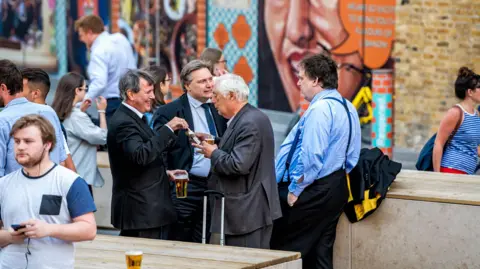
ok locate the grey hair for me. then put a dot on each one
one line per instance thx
(232, 83)
(189, 68)
(131, 81)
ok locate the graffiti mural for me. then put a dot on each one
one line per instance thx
(27, 29)
(292, 29)
(162, 33)
(233, 29)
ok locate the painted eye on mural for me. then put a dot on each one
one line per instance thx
(175, 9)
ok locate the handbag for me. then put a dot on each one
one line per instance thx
(425, 158)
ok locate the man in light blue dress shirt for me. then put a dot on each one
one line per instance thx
(312, 163)
(111, 55)
(17, 106)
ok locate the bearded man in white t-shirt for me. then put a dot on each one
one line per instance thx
(49, 205)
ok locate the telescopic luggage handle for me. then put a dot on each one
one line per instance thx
(222, 216)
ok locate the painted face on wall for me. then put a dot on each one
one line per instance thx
(294, 28)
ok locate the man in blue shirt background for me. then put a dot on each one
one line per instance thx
(17, 106)
(312, 163)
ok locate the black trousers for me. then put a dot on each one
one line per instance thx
(188, 227)
(153, 233)
(259, 238)
(310, 225)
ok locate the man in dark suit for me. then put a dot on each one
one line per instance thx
(195, 107)
(141, 202)
(243, 168)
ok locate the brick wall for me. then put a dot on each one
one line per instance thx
(434, 38)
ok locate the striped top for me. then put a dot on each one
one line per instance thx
(461, 153)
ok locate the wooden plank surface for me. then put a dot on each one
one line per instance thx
(109, 252)
(436, 187)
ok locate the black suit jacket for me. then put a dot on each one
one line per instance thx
(140, 194)
(180, 156)
(243, 169)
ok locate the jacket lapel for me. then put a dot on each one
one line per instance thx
(228, 133)
(135, 117)
(187, 112)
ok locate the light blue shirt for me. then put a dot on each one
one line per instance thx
(111, 55)
(201, 165)
(322, 144)
(16, 109)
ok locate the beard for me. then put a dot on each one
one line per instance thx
(2, 103)
(31, 161)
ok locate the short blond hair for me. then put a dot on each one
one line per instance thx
(46, 128)
(90, 22)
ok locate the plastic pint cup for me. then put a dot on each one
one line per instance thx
(134, 259)
(181, 182)
(210, 140)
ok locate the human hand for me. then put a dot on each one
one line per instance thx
(101, 103)
(17, 237)
(36, 228)
(177, 123)
(203, 136)
(291, 199)
(85, 105)
(206, 148)
(172, 173)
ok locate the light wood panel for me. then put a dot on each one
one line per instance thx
(109, 252)
(436, 187)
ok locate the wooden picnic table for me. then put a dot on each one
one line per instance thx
(108, 252)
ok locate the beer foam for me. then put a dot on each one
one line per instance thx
(134, 252)
(181, 176)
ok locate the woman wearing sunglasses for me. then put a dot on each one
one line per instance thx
(83, 136)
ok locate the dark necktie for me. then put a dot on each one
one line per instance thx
(208, 115)
(144, 119)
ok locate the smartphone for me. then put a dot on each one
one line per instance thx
(17, 227)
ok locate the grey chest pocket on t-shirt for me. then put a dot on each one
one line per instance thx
(50, 204)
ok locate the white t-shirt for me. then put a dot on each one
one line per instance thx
(58, 197)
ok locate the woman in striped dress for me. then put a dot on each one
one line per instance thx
(460, 154)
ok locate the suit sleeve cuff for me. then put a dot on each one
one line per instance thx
(170, 128)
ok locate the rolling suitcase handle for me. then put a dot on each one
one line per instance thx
(222, 216)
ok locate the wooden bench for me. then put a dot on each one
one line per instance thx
(108, 252)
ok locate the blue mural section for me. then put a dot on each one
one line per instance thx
(218, 14)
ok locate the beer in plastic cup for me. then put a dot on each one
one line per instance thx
(210, 140)
(134, 259)
(181, 182)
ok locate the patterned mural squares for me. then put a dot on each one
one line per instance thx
(234, 31)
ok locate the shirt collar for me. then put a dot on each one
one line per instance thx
(194, 102)
(322, 95)
(230, 120)
(17, 101)
(97, 41)
(139, 114)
